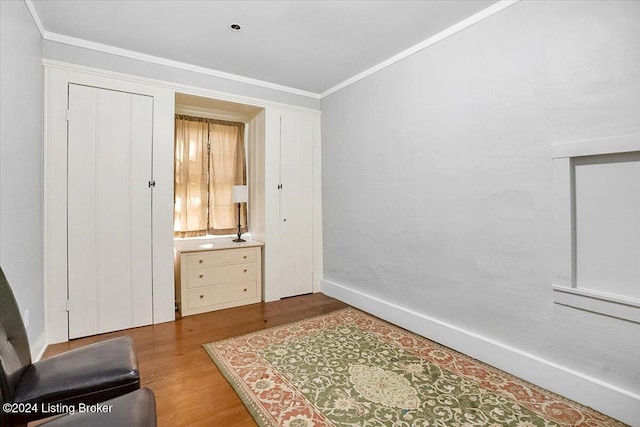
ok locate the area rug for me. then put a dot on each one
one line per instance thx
(350, 369)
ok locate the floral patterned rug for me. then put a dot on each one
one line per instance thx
(350, 369)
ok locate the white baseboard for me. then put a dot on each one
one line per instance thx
(38, 347)
(606, 398)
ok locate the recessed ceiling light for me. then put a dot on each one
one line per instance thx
(235, 27)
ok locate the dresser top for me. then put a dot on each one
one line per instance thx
(196, 245)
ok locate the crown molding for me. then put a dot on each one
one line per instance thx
(474, 19)
(104, 48)
(72, 41)
(112, 50)
(177, 87)
(36, 18)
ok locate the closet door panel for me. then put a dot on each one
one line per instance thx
(296, 208)
(109, 205)
(141, 152)
(82, 213)
(304, 257)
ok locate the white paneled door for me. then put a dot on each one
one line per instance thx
(109, 210)
(296, 204)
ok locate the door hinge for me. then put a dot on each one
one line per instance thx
(279, 186)
(67, 306)
(152, 184)
(67, 115)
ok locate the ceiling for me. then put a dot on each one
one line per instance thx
(309, 46)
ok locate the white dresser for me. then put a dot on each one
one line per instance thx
(216, 274)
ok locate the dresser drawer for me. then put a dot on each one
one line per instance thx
(199, 277)
(228, 275)
(211, 258)
(220, 294)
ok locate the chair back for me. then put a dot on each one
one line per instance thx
(15, 355)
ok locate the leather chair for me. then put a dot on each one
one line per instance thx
(88, 375)
(135, 409)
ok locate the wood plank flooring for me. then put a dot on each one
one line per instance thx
(189, 388)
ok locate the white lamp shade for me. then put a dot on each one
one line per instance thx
(239, 194)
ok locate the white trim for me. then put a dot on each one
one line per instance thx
(99, 47)
(610, 399)
(594, 147)
(35, 17)
(185, 89)
(566, 289)
(598, 302)
(618, 299)
(474, 19)
(211, 114)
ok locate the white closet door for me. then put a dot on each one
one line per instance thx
(296, 204)
(109, 210)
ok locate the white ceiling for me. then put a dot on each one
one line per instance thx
(306, 45)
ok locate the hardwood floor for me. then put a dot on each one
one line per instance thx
(189, 388)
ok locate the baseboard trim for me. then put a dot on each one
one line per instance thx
(589, 391)
(39, 347)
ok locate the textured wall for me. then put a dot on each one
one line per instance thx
(437, 178)
(21, 202)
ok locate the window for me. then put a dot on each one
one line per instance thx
(209, 161)
(597, 225)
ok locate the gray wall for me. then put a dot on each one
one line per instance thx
(437, 179)
(21, 153)
(90, 58)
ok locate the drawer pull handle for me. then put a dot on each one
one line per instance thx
(244, 290)
(200, 261)
(200, 276)
(201, 296)
(245, 257)
(245, 270)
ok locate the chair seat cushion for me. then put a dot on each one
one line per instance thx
(89, 374)
(135, 409)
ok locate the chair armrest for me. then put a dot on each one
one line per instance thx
(89, 374)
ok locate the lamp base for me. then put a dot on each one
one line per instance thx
(239, 239)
